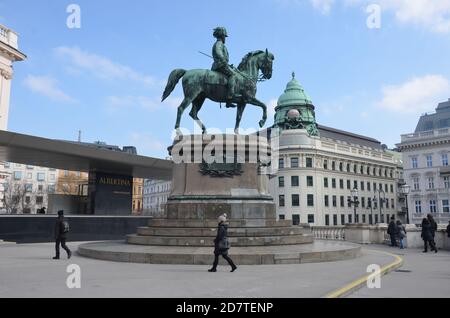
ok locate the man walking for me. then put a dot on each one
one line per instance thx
(392, 231)
(61, 230)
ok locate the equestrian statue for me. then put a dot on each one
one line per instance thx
(236, 87)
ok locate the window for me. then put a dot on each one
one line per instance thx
(362, 185)
(432, 206)
(280, 200)
(333, 183)
(348, 167)
(334, 201)
(386, 188)
(392, 188)
(349, 218)
(418, 205)
(342, 199)
(414, 163)
(294, 181)
(310, 218)
(327, 220)
(29, 187)
(333, 165)
(392, 204)
(363, 203)
(368, 186)
(325, 164)
(364, 218)
(374, 186)
(341, 166)
(309, 163)
(348, 185)
(444, 159)
(361, 169)
(348, 202)
(325, 182)
(335, 222)
(41, 176)
(7, 165)
(355, 184)
(341, 183)
(294, 162)
(281, 182)
(295, 219)
(27, 200)
(51, 188)
(416, 184)
(40, 187)
(326, 199)
(309, 181)
(431, 183)
(310, 199)
(445, 206)
(369, 202)
(429, 161)
(282, 217)
(295, 200)
(355, 168)
(281, 163)
(39, 200)
(17, 175)
(342, 219)
(447, 182)
(368, 170)
(52, 177)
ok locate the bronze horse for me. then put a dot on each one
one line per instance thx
(201, 84)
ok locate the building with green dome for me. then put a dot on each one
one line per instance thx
(317, 169)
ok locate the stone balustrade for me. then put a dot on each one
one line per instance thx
(329, 232)
(377, 234)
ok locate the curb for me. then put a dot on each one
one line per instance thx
(352, 287)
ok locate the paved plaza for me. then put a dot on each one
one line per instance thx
(29, 271)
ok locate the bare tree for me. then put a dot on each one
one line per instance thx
(14, 195)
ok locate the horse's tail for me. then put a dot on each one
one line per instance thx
(174, 78)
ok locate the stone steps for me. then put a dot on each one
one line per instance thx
(319, 251)
(208, 240)
(212, 223)
(232, 232)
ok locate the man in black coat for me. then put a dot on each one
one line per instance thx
(61, 235)
(392, 231)
(221, 245)
(448, 229)
(427, 236)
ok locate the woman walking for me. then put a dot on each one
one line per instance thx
(427, 236)
(222, 245)
(401, 233)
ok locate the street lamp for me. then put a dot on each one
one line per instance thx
(405, 189)
(355, 201)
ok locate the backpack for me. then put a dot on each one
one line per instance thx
(65, 228)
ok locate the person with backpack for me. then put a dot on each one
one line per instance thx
(392, 231)
(222, 245)
(401, 234)
(427, 236)
(61, 230)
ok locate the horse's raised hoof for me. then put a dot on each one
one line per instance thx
(262, 123)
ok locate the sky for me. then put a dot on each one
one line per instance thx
(367, 73)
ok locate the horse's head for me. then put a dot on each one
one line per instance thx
(266, 64)
(258, 60)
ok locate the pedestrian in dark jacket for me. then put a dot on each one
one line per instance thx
(61, 235)
(448, 229)
(221, 245)
(392, 231)
(401, 234)
(433, 224)
(427, 236)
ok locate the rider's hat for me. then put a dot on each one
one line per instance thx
(220, 31)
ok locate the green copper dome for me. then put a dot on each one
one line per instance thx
(295, 109)
(294, 95)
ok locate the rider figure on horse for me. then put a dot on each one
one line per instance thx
(221, 60)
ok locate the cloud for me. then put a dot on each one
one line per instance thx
(47, 86)
(324, 6)
(431, 14)
(417, 95)
(147, 144)
(102, 67)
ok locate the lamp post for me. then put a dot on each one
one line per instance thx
(354, 201)
(405, 189)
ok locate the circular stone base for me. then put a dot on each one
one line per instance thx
(319, 251)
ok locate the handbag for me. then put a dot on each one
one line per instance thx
(224, 244)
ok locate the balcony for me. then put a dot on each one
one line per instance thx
(425, 135)
(444, 171)
(8, 36)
